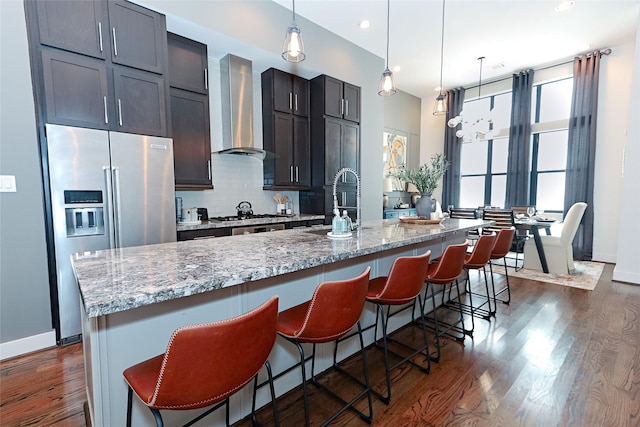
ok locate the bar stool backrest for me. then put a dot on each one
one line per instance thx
(206, 363)
(405, 280)
(449, 265)
(504, 240)
(463, 213)
(481, 251)
(334, 309)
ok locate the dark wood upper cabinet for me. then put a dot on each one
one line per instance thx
(140, 102)
(100, 64)
(188, 64)
(285, 130)
(77, 26)
(138, 37)
(289, 93)
(191, 139)
(336, 98)
(190, 121)
(76, 89)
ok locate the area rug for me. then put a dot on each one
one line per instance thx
(585, 277)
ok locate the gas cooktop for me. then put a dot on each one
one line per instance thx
(243, 216)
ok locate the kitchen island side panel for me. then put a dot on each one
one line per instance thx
(122, 339)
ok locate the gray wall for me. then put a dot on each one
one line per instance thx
(24, 284)
(402, 113)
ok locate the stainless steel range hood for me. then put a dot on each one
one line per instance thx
(236, 81)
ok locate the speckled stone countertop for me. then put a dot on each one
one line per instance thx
(204, 225)
(122, 279)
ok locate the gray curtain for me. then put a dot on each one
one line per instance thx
(581, 156)
(452, 150)
(517, 192)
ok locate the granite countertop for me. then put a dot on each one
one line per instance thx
(116, 280)
(213, 223)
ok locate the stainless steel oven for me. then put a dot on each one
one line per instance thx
(256, 229)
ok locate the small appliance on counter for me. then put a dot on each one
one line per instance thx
(203, 214)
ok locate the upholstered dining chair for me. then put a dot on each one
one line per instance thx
(558, 250)
(205, 364)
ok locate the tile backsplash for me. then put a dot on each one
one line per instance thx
(235, 179)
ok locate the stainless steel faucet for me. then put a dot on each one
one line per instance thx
(340, 173)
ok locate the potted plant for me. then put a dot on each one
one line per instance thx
(425, 178)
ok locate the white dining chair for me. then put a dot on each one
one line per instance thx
(557, 249)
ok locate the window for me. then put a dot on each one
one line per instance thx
(483, 164)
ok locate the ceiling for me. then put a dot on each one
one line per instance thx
(512, 35)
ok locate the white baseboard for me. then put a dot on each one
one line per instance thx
(603, 257)
(626, 276)
(27, 345)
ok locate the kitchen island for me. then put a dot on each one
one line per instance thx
(133, 298)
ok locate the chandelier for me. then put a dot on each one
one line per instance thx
(474, 129)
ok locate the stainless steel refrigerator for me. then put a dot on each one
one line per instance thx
(107, 190)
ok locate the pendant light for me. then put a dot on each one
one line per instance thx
(387, 86)
(440, 107)
(293, 48)
(476, 129)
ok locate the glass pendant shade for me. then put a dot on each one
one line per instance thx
(440, 106)
(387, 86)
(293, 48)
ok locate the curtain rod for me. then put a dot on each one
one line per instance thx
(606, 51)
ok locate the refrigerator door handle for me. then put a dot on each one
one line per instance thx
(109, 204)
(117, 214)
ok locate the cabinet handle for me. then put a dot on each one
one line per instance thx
(106, 117)
(100, 35)
(206, 78)
(290, 101)
(296, 101)
(209, 169)
(291, 173)
(297, 178)
(341, 106)
(119, 112)
(115, 42)
(346, 112)
(344, 198)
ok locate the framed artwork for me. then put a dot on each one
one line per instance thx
(394, 158)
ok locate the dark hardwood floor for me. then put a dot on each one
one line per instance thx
(555, 356)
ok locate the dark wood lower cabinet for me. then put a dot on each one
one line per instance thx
(191, 139)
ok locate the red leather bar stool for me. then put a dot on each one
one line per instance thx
(476, 260)
(334, 309)
(442, 272)
(402, 286)
(205, 364)
(502, 247)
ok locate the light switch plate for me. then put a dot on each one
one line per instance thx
(7, 184)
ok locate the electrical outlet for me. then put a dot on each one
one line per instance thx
(7, 184)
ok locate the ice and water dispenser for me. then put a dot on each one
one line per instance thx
(82, 220)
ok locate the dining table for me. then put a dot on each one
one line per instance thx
(534, 225)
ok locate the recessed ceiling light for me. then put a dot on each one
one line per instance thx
(364, 24)
(396, 68)
(564, 5)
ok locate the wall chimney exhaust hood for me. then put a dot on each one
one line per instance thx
(236, 81)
